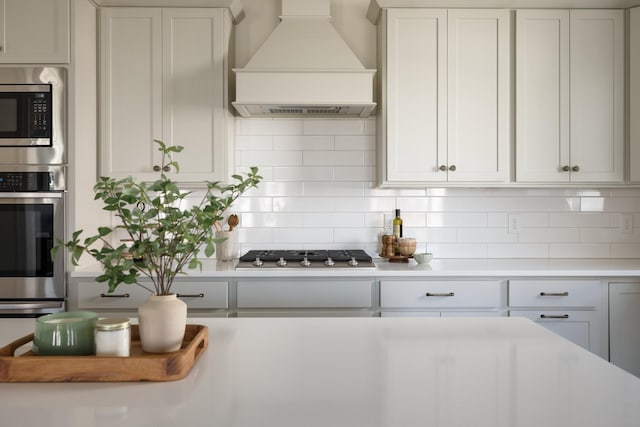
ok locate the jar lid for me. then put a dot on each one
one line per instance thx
(112, 323)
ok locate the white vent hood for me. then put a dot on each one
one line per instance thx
(304, 68)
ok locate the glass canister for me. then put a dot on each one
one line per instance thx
(113, 336)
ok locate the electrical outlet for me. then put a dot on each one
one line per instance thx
(626, 223)
(514, 224)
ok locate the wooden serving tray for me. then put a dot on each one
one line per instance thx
(139, 366)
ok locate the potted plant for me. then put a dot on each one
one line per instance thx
(165, 238)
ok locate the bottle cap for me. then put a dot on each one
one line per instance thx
(397, 212)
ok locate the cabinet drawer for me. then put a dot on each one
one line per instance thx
(436, 294)
(304, 294)
(92, 295)
(555, 293)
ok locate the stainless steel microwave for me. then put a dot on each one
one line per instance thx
(32, 115)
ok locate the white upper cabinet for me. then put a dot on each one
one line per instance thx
(415, 100)
(634, 94)
(34, 31)
(478, 95)
(445, 83)
(164, 76)
(569, 96)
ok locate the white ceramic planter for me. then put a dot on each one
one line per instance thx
(163, 319)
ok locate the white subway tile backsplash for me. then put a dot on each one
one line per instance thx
(333, 127)
(533, 235)
(269, 127)
(353, 173)
(318, 191)
(303, 204)
(489, 235)
(303, 174)
(625, 250)
(334, 220)
(364, 204)
(269, 158)
(331, 189)
(357, 142)
(303, 143)
(581, 219)
(458, 219)
(295, 236)
(518, 250)
(253, 143)
(579, 250)
(458, 250)
(333, 158)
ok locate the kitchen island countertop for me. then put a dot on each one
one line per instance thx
(489, 372)
(474, 267)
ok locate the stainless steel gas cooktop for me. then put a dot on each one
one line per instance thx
(339, 258)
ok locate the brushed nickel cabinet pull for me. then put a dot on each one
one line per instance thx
(156, 168)
(452, 168)
(442, 168)
(200, 295)
(114, 295)
(576, 168)
(550, 316)
(166, 168)
(554, 294)
(566, 168)
(446, 294)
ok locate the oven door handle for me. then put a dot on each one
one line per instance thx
(29, 305)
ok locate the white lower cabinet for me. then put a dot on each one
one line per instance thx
(305, 297)
(445, 298)
(570, 308)
(201, 296)
(624, 318)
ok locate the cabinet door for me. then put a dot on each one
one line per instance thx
(624, 318)
(542, 95)
(193, 91)
(478, 95)
(304, 294)
(131, 91)
(34, 31)
(416, 89)
(597, 99)
(580, 327)
(634, 93)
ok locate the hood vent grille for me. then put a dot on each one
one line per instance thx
(290, 110)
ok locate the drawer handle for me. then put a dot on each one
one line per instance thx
(200, 295)
(554, 294)
(447, 294)
(114, 295)
(549, 316)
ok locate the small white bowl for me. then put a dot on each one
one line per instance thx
(423, 258)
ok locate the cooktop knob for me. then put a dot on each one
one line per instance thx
(281, 262)
(258, 262)
(305, 262)
(353, 262)
(329, 262)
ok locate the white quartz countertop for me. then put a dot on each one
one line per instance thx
(396, 372)
(436, 268)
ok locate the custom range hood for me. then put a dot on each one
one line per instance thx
(304, 68)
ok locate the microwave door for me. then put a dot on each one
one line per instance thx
(25, 116)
